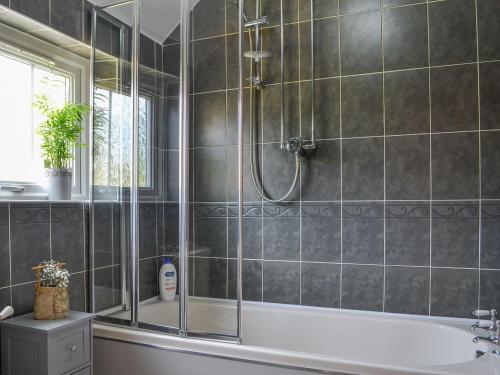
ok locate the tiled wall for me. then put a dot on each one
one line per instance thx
(33, 231)
(398, 208)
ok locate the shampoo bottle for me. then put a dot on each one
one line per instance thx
(168, 280)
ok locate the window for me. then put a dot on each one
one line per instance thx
(23, 76)
(113, 139)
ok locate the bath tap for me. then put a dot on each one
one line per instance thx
(489, 325)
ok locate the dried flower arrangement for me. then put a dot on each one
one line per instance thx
(53, 276)
(51, 291)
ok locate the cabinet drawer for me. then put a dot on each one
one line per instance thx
(69, 348)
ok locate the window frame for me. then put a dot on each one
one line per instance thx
(68, 64)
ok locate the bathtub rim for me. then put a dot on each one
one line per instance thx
(223, 349)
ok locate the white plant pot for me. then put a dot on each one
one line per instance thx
(59, 183)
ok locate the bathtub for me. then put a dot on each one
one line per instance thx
(291, 340)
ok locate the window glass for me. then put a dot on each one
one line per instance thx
(20, 83)
(113, 145)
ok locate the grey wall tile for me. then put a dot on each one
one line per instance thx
(77, 292)
(249, 191)
(326, 109)
(171, 159)
(326, 49)
(362, 287)
(455, 162)
(363, 169)
(407, 233)
(455, 234)
(103, 229)
(271, 106)
(405, 37)
(272, 9)
(4, 246)
(67, 235)
(211, 237)
(407, 167)
(452, 32)
(147, 52)
(210, 278)
(363, 233)
(490, 287)
(454, 98)
(489, 74)
(232, 117)
(352, 6)
(454, 292)
(67, 16)
(362, 106)
(271, 41)
(147, 230)
(321, 232)
(407, 102)
(320, 173)
(407, 290)
(278, 172)
(322, 8)
(252, 233)
(488, 15)
(391, 3)
(36, 9)
(320, 284)
(209, 65)
(281, 282)
(490, 159)
(490, 234)
(30, 239)
(103, 288)
(5, 296)
(252, 280)
(210, 119)
(22, 298)
(281, 233)
(210, 175)
(148, 278)
(361, 43)
(208, 18)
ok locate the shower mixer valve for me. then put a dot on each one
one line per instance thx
(297, 146)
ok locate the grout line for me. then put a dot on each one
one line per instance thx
(341, 159)
(385, 151)
(300, 135)
(348, 76)
(430, 159)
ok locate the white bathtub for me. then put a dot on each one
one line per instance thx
(280, 339)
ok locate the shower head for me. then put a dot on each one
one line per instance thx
(258, 55)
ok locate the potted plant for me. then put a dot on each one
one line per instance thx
(51, 291)
(60, 134)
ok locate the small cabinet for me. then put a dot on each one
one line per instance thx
(47, 347)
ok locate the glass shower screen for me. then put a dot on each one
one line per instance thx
(166, 177)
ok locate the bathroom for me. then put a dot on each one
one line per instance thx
(321, 178)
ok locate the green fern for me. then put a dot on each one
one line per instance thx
(60, 132)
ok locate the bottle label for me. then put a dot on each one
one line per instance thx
(169, 274)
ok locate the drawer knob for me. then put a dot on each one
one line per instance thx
(72, 348)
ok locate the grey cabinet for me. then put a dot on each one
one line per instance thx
(47, 347)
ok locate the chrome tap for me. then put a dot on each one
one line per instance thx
(491, 326)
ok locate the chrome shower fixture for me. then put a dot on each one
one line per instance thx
(295, 145)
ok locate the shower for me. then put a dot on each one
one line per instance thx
(295, 145)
